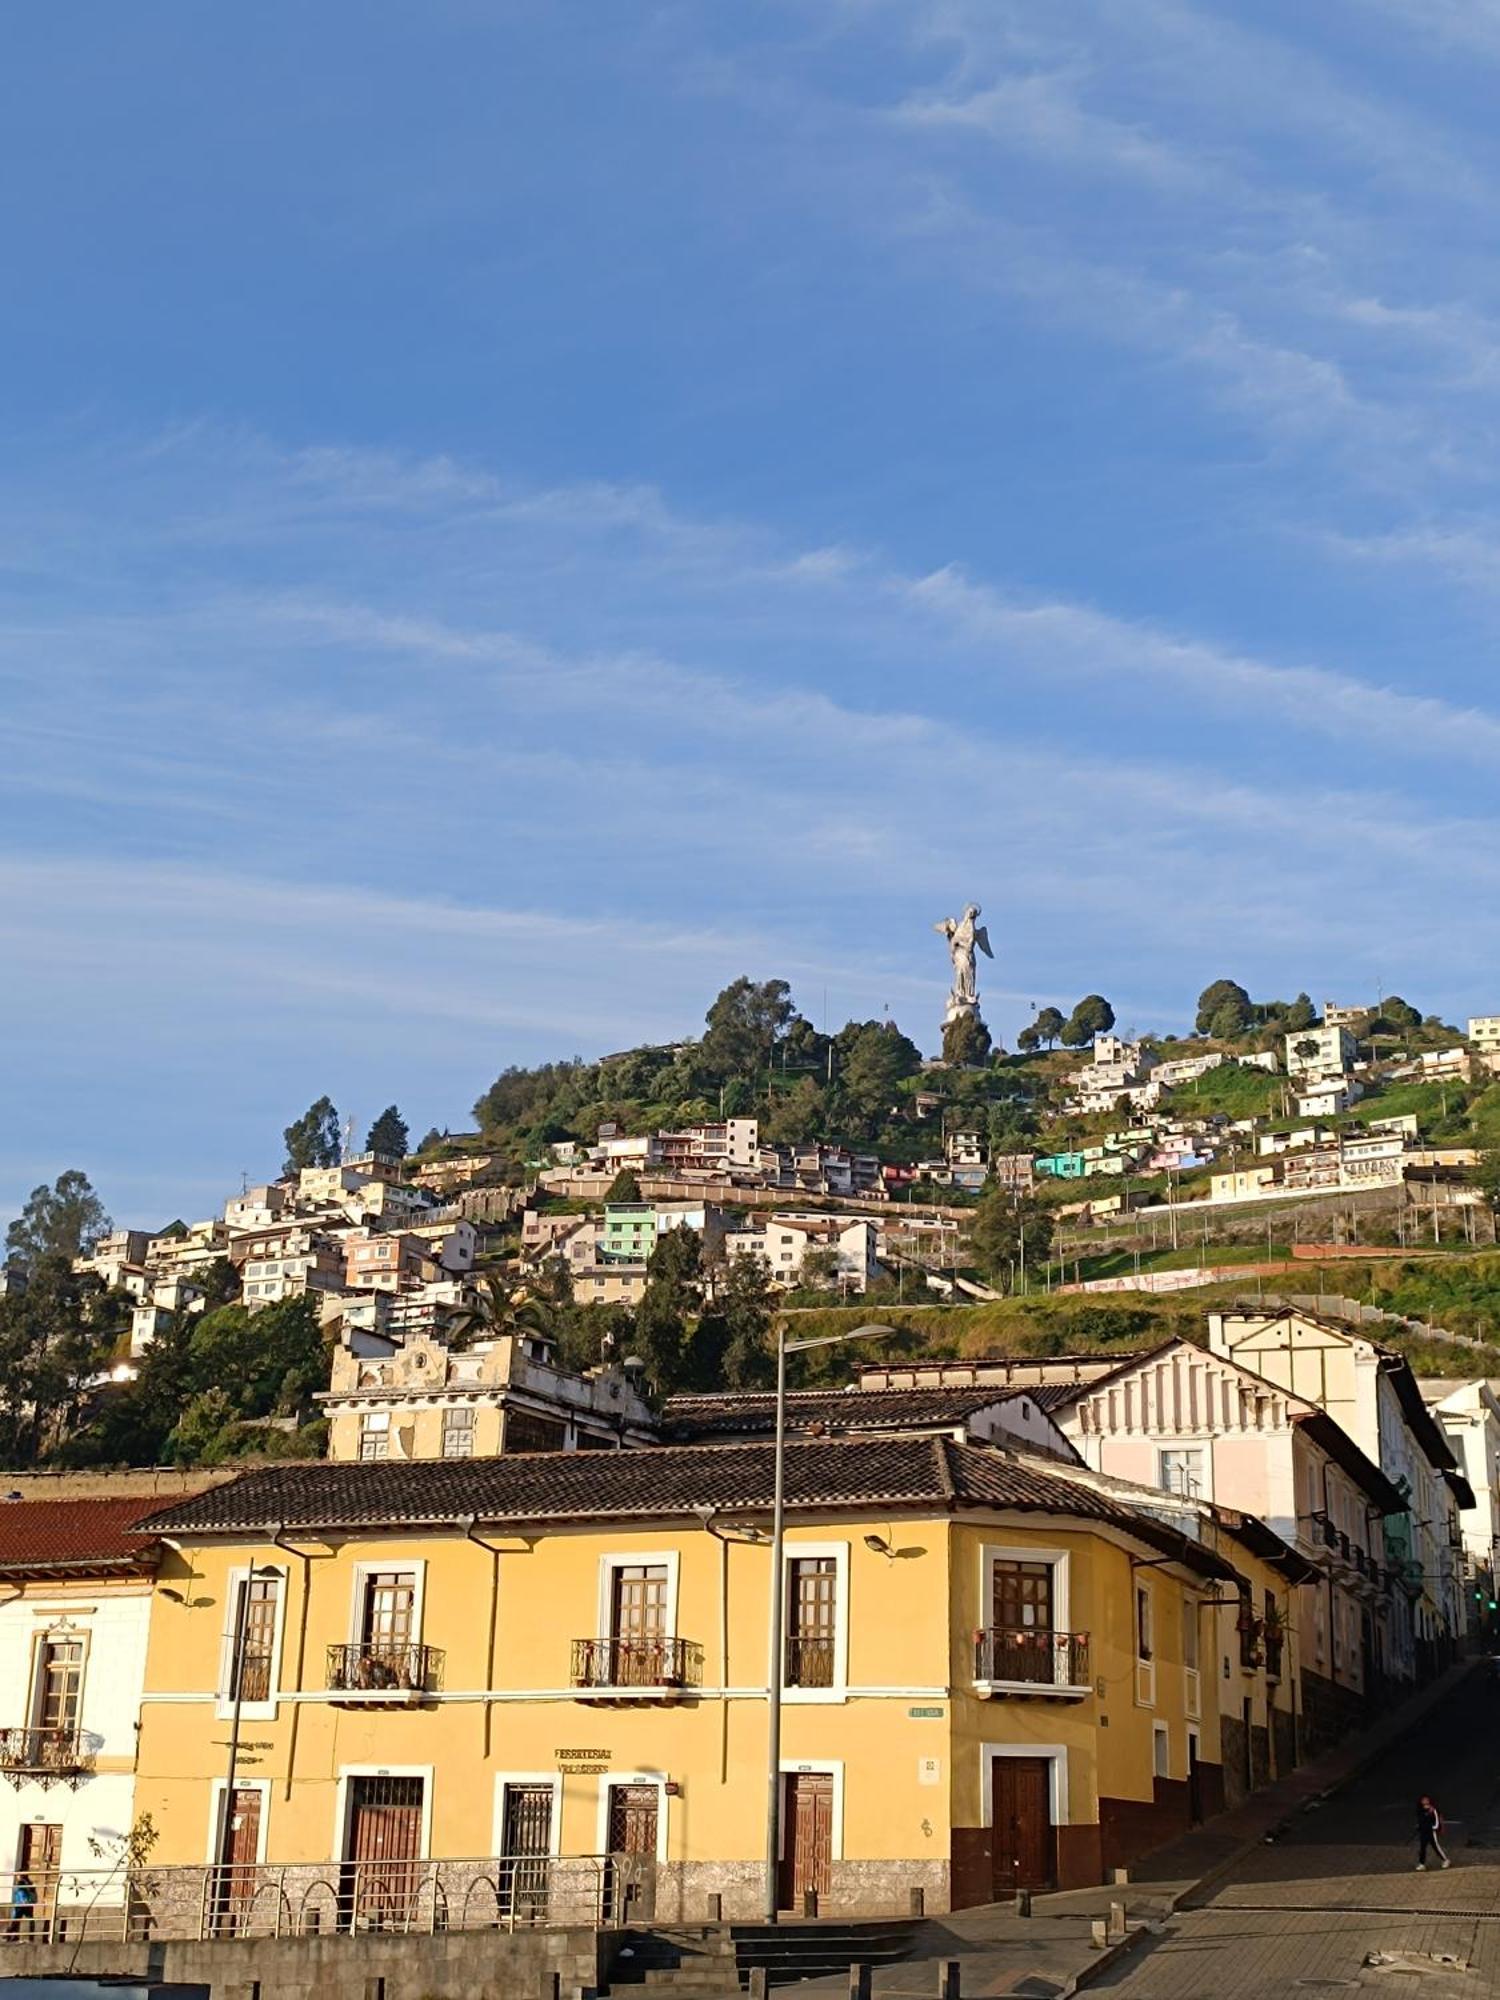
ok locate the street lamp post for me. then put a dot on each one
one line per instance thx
(777, 1618)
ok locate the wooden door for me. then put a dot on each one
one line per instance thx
(638, 1624)
(812, 1621)
(1021, 1646)
(385, 1843)
(525, 1847)
(41, 1860)
(59, 1685)
(632, 1847)
(239, 1851)
(806, 1836)
(1024, 1843)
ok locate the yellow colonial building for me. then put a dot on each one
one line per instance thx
(995, 1675)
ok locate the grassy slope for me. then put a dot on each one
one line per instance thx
(1462, 1295)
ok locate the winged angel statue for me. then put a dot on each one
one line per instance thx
(965, 935)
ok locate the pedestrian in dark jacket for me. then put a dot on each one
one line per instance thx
(1429, 1826)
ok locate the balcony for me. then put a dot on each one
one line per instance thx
(1052, 1666)
(385, 1673)
(47, 1756)
(809, 1661)
(630, 1669)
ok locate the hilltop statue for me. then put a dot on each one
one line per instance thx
(965, 935)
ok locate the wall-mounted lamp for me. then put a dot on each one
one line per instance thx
(878, 1545)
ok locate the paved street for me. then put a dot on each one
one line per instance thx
(1299, 1915)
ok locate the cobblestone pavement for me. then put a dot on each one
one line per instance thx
(1299, 1915)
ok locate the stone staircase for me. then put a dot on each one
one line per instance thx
(710, 1961)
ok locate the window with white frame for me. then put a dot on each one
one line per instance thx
(1144, 1622)
(375, 1435)
(1161, 1750)
(254, 1606)
(1190, 1634)
(458, 1432)
(1180, 1470)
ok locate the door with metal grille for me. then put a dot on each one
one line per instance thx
(525, 1849)
(812, 1621)
(806, 1836)
(638, 1624)
(633, 1811)
(383, 1875)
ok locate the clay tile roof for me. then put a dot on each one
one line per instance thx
(743, 1413)
(589, 1486)
(43, 1536)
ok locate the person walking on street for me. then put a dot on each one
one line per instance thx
(1429, 1826)
(23, 1907)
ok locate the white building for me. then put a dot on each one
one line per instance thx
(785, 1242)
(1373, 1396)
(1314, 1053)
(1470, 1417)
(77, 1584)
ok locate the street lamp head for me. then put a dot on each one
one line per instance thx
(878, 1545)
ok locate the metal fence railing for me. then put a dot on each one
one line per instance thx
(305, 1899)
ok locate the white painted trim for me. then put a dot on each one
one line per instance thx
(216, 1803)
(609, 1779)
(251, 1711)
(341, 1797)
(614, 1559)
(1056, 1755)
(833, 1767)
(553, 1781)
(1161, 1733)
(796, 1552)
(362, 1573)
(1145, 1664)
(374, 1697)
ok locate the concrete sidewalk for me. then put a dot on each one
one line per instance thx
(1051, 1955)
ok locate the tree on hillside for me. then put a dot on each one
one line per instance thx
(1400, 1013)
(499, 1306)
(670, 1305)
(64, 1220)
(388, 1134)
(731, 1345)
(1225, 1002)
(876, 1059)
(744, 1025)
(624, 1187)
(1029, 1041)
(966, 1042)
(56, 1339)
(1001, 1221)
(1485, 1175)
(314, 1139)
(1299, 1015)
(1227, 1022)
(1049, 1025)
(1092, 1016)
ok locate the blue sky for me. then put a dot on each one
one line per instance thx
(512, 515)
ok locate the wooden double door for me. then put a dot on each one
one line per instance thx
(806, 1836)
(1024, 1850)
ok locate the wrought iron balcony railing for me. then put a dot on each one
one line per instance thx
(1032, 1656)
(637, 1663)
(380, 1669)
(47, 1756)
(809, 1661)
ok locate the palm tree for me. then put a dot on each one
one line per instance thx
(501, 1307)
